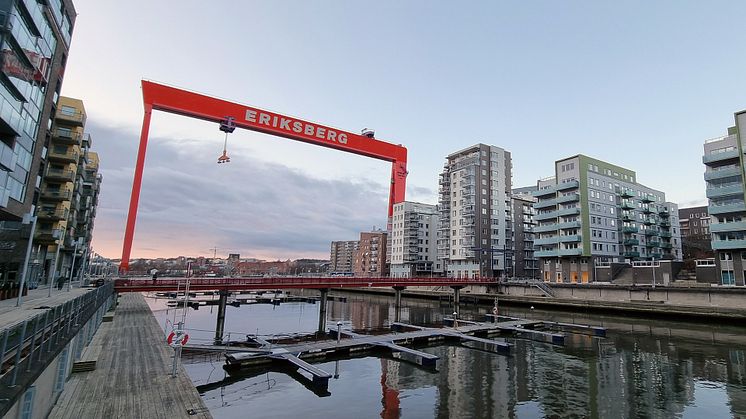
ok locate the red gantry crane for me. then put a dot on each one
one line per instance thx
(231, 115)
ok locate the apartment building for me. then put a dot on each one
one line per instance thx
(69, 195)
(341, 257)
(475, 214)
(695, 232)
(724, 168)
(370, 257)
(525, 262)
(36, 40)
(592, 212)
(413, 241)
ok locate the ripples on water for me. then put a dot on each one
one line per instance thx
(643, 369)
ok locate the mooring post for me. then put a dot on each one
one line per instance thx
(322, 310)
(222, 302)
(397, 302)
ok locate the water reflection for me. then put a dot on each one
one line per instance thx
(644, 368)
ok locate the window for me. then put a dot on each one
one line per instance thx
(27, 406)
(61, 371)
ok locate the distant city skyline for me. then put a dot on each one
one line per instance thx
(639, 84)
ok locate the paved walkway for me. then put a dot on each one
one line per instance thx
(132, 376)
(10, 314)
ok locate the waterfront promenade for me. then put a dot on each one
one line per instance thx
(11, 315)
(132, 376)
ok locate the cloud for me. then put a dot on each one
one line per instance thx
(190, 204)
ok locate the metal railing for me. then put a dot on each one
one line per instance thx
(27, 347)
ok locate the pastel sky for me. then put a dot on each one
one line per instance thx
(637, 83)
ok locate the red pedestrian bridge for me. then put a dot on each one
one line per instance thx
(264, 283)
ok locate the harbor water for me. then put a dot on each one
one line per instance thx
(647, 368)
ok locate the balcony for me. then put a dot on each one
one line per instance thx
(648, 221)
(722, 156)
(728, 244)
(723, 227)
(571, 197)
(76, 118)
(545, 203)
(546, 216)
(631, 255)
(56, 195)
(629, 229)
(569, 224)
(653, 244)
(627, 205)
(723, 172)
(665, 234)
(544, 228)
(663, 212)
(65, 137)
(563, 186)
(656, 255)
(68, 157)
(666, 245)
(631, 242)
(546, 192)
(571, 238)
(650, 232)
(546, 240)
(628, 218)
(568, 211)
(54, 215)
(546, 253)
(665, 223)
(729, 190)
(48, 236)
(571, 252)
(726, 208)
(646, 210)
(59, 175)
(647, 199)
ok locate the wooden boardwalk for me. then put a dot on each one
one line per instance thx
(11, 315)
(132, 376)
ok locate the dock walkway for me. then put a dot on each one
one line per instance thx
(132, 376)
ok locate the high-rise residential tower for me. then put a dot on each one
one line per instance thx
(525, 262)
(595, 212)
(36, 40)
(475, 221)
(342, 255)
(724, 175)
(413, 243)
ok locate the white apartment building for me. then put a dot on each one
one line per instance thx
(475, 221)
(413, 246)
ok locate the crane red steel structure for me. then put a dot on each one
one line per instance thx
(194, 105)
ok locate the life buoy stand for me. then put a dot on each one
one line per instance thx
(177, 340)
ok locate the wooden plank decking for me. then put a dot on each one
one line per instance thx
(132, 376)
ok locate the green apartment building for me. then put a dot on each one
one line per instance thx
(724, 174)
(592, 213)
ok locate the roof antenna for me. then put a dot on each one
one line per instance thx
(227, 125)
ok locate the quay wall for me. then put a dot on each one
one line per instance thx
(700, 302)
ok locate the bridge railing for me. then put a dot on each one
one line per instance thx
(298, 281)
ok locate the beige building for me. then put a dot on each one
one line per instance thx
(341, 257)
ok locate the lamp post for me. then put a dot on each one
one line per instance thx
(53, 271)
(653, 272)
(26, 260)
(72, 265)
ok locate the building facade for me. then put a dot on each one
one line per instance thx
(724, 176)
(592, 212)
(695, 233)
(475, 214)
(35, 44)
(341, 257)
(69, 196)
(370, 257)
(413, 241)
(526, 264)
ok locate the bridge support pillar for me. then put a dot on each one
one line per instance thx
(322, 310)
(220, 327)
(397, 302)
(456, 296)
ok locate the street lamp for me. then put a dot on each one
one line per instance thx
(653, 271)
(77, 242)
(32, 219)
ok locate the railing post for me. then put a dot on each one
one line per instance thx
(22, 338)
(30, 356)
(4, 345)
